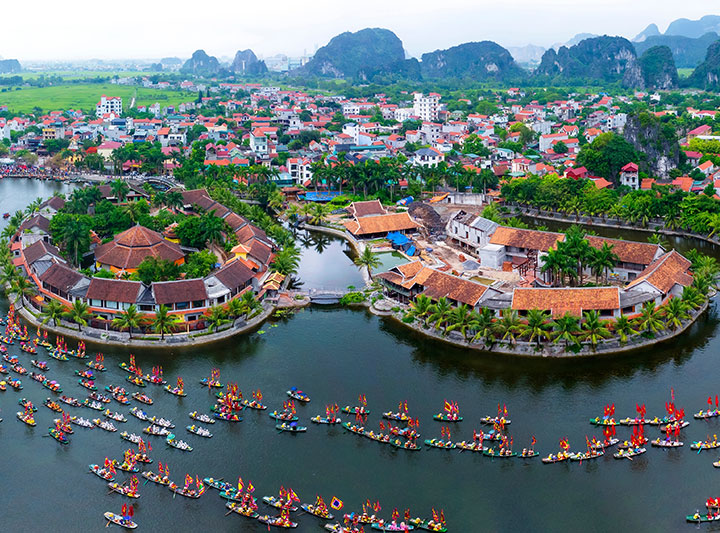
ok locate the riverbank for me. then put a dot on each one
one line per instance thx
(608, 222)
(396, 311)
(117, 338)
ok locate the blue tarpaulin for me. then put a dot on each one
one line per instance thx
(410, 251)
(320, 196)
(405, 201)
(398, 239)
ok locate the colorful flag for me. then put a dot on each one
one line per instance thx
(336, 503)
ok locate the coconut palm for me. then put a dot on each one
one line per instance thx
(650, 319)
(566, 328)
(483, 325)
(23, 288)
(508, 326)
(367, 259)
(164, 322)
(603, 259)
(119, 189)
(420, 307)
(318, 214)
(216, 317)
(52, 311)
(623, 326)
(460, 318)
(129, 319)
(249, 303)
(212, 228)
(675, 311)
(76, 237)
(9, 275)
(292, 212)
(537, 326)
(79, 313)
(594, 329)
(438, 313)
(235, 307)
(286, 261)
(174, 200)
(657, 238)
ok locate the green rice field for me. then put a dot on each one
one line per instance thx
(85, 96)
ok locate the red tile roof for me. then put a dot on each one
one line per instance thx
(566, 300)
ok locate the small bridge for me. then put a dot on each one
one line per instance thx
(162, 181)
(324, 296)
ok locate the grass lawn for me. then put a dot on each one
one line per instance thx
(85, 96)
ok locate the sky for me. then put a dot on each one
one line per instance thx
(84, 29)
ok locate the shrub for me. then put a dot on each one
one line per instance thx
(352, 298)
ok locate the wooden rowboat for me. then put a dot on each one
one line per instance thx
(119, 520)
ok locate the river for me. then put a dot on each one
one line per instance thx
(335, 354)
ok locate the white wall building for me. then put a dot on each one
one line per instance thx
(426, 107)
(109, 104)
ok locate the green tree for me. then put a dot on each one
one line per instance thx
(286, 261)
(23, 288)
(164, 322)
(624, 328)
(650, 319)
(367, 259)
(566, 328)
(439, 312)
(675, 311)
(119, 189)
(78, 312)
(76, 238)
(53, 310)
(594, 329)
(129, 319)
(460, 318)
(537, 327)
(509, 325)
(606, 155)
(216, 317)
(154, 269)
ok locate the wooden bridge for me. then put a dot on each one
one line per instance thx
(324, 296)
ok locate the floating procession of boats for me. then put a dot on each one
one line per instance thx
(398, 428)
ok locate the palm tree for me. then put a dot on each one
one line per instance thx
(76, 237)
(318, 214)
(368, 259)
(174, 200)
(9, 275)
(235, 307)
(483, 325)
(164, 322)
(23, 288)
(216, 317)
(420, 307)
(79, 313)
(554, 263)
(119, 189)
(675, 311)
(603, 259)
(594, 329)
(650, 319)
(460, 318)
(509, 325)
(566, 328)
(692, 297)
(537, 326)
(134, 211)
(713, 224)
(624, 328)
(249, 302)
(53, 311)
(439, 312)
(656, 238)
(129, 319)
(292, 212)
(286, 261)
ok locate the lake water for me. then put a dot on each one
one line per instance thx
(335, 354)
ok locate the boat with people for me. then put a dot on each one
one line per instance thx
(60, 356)
(156, 478)
(142, 398)
(354, 428)
(218, 484)
(158, 431)
(355, 410)
(95, 365)
(162, 422)
(187, 492)
(227, 417)
(26, 417)
(10, 359)
(321, 511)
(297, 394)
(35, 376)
(201, 417)
(586, 456)
(27, 404)
(377, 437)
(171, 440)
(629, 453)
(175, 390)
(102, 472)
(470, 446)
(136, 380)
(277, 521)
(82, 422)
(501, 452)
(4, 369)
(556, 458)
(339, 528)
(381, 525)
(211, 383)
(492, 420)
(285, 416)
(442, 444)
(199, 430)
(278, 503)
(407, 445)
(114, 389)
(18, 369)
(127, 467)
(254, 404)
(58, 435)
(87, 383)
(64, 425)
(120, 520)
(704, 415)
(676, 424)
(52, 386)
(139, 414)
(666, 443)
(291, 427)
(125, 490)
(121, 399)
(130, 437)
(42, 365)
(92, 404)
(29, 348)
(707, 517)
(53, 406)
(326, 420)
(15, 383)
(99, 397)
(528, 453)
(244, 510)
(447, 417)
(104, 424)
(705, 444)
(398, 416)
(87, 374)
(429, 525)
(114, 415)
